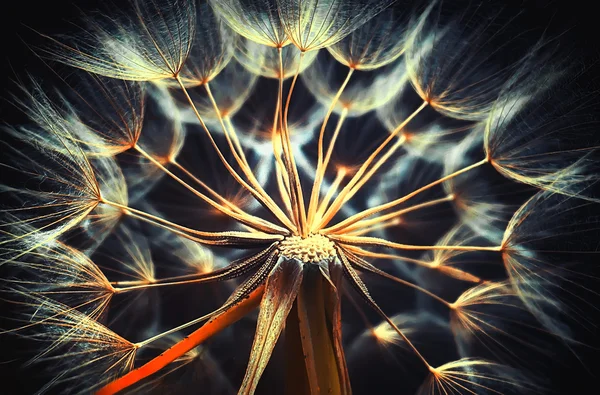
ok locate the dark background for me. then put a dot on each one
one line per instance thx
(578, 20)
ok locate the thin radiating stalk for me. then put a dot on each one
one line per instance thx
(160, 283)
(311, 215)
(366, 266)
(296, 195)
(217, 237)
(261, 199)
(284, 191)
(215, 194)
(342, 197)
(362, 252)
(333, 188)
(322, 164)
(375, 241)
(361, 288)
(245, 218)
(235, 269)
(277, 142)
(374, 169)
(236, 140)
(176, 231)
(366, 213)
(370, 222)
(241, 161)
(375, 227)
(242, 292)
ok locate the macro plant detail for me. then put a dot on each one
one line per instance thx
(336, 178)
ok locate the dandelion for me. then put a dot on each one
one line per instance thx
(151, 44)
(304, 197)
(75, 345)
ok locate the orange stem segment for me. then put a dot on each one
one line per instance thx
(209, 329)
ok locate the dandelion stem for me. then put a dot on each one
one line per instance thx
(349, 189)
(366, 213)
(239, 304)
(322, 164)
(214, 326)
(182, 326)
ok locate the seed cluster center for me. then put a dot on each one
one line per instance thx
(312, 249)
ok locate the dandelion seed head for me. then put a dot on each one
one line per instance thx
(406, 194)
(313, 24)
(153, 44)
(313, 249)
(74, 345)
(256, 20)
(264, 61)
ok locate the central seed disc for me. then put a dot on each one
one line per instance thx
(312, 249)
